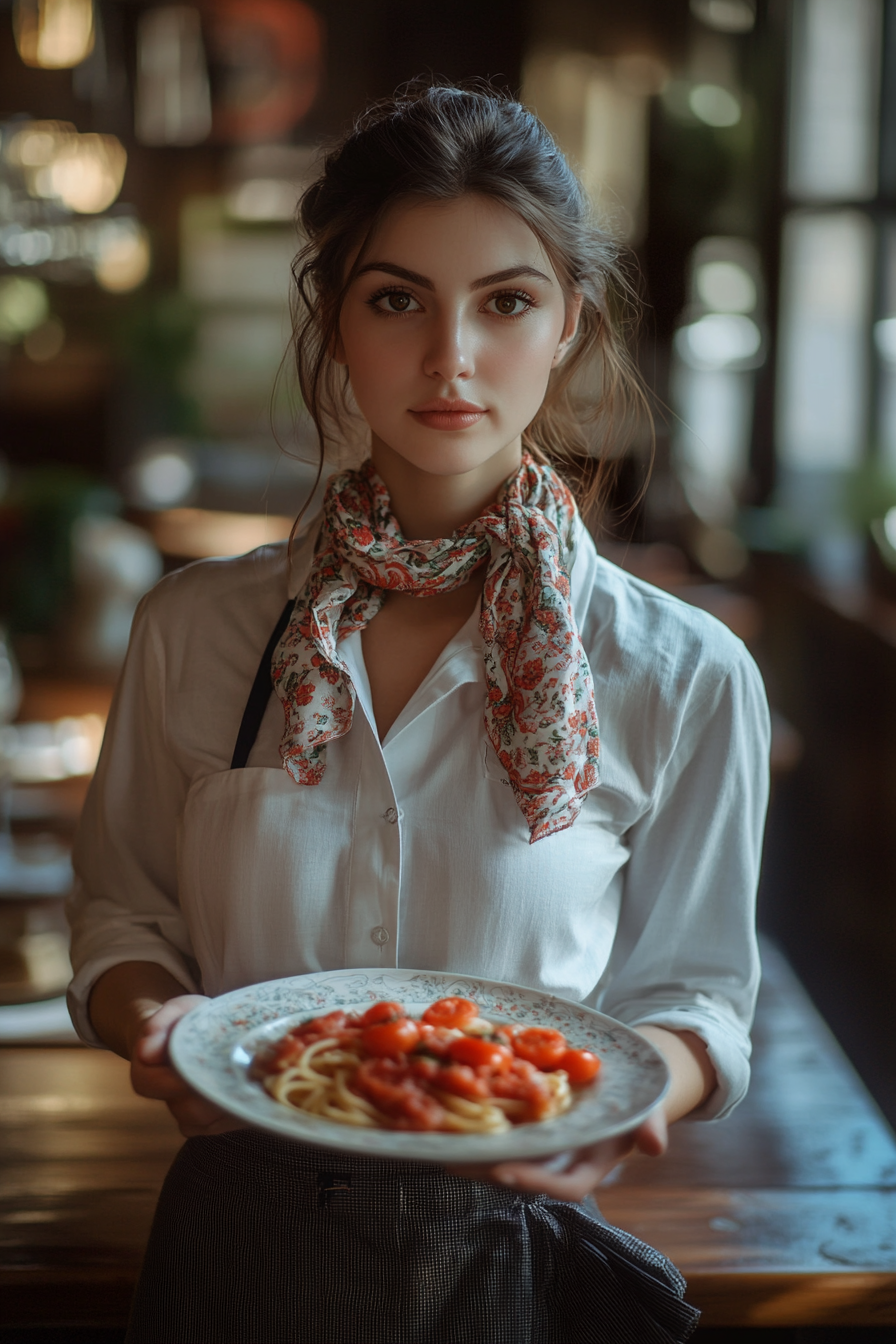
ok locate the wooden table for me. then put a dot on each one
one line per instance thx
(783, 1215)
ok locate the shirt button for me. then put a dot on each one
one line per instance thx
(391, 815)
(379, 935)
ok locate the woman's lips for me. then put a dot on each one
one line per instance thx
(444, 414)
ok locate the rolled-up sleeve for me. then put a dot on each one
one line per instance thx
(124, 903)
(685, 955)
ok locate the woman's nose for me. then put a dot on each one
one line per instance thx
(449, 352)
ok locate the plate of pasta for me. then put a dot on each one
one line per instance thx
(419, 1065)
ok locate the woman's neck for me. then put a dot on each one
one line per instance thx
(428, 506)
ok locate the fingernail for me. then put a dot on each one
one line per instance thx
(507, 1178)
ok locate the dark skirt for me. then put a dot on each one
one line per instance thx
(257, 1240)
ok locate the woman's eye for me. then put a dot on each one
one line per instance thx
(509, 305)
(394, 301)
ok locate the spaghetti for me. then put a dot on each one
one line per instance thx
(450, 1070)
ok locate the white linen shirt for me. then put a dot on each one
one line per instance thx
(413, 852)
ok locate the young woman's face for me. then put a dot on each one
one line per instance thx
(449, 332)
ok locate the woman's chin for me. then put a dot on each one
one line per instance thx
(448, 454)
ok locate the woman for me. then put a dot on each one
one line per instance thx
(442, 805)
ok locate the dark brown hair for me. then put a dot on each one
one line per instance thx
(436, 142)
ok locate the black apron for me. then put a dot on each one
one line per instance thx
(261, 1240)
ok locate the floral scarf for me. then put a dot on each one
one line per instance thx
(539, 712)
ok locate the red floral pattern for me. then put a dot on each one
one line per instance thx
(539, 711)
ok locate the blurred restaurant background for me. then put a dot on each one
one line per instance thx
(151, 157)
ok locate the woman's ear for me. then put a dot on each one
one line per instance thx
(570, 327)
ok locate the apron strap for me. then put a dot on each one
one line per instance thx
(259, 694)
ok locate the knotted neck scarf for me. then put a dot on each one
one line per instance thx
(539, 709)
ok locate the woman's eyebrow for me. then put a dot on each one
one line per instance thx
(511, 273)
(402, 272)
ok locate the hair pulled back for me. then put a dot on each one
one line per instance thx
(435, 142)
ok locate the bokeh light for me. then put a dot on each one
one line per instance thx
(24, 305)
(714, 105)
(726, 287)
(123, 256)
(86, 173)
(53, 34)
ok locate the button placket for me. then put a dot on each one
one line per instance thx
(373, 890)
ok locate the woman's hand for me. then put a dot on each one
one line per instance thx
(582, 1171)
(152, 1074)
(134, 1007)
(575, 1175)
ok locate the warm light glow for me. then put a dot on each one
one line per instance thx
(23, 306)
(39, 752)
(196, 534)
(123, 256)
(639, 72)
(86, 173)
(37, 143)
(598, 111)
(53, 34)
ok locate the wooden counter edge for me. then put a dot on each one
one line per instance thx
(842, 1297)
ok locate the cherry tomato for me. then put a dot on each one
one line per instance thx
(541, 1046)
(580, 1065)
(475, 1051)
(451, 1012)
(382, 1012)
(328, 1025)
(395, 1037)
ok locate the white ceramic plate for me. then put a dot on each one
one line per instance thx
(213, 1046)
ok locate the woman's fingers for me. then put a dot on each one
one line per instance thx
(151, 1045)
(573, 1176)
(652, 1137)
(585, 1170)
(557, 1176)
(195, 1116)
(152, 1075)
(157, 1081)
(193, 1113)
